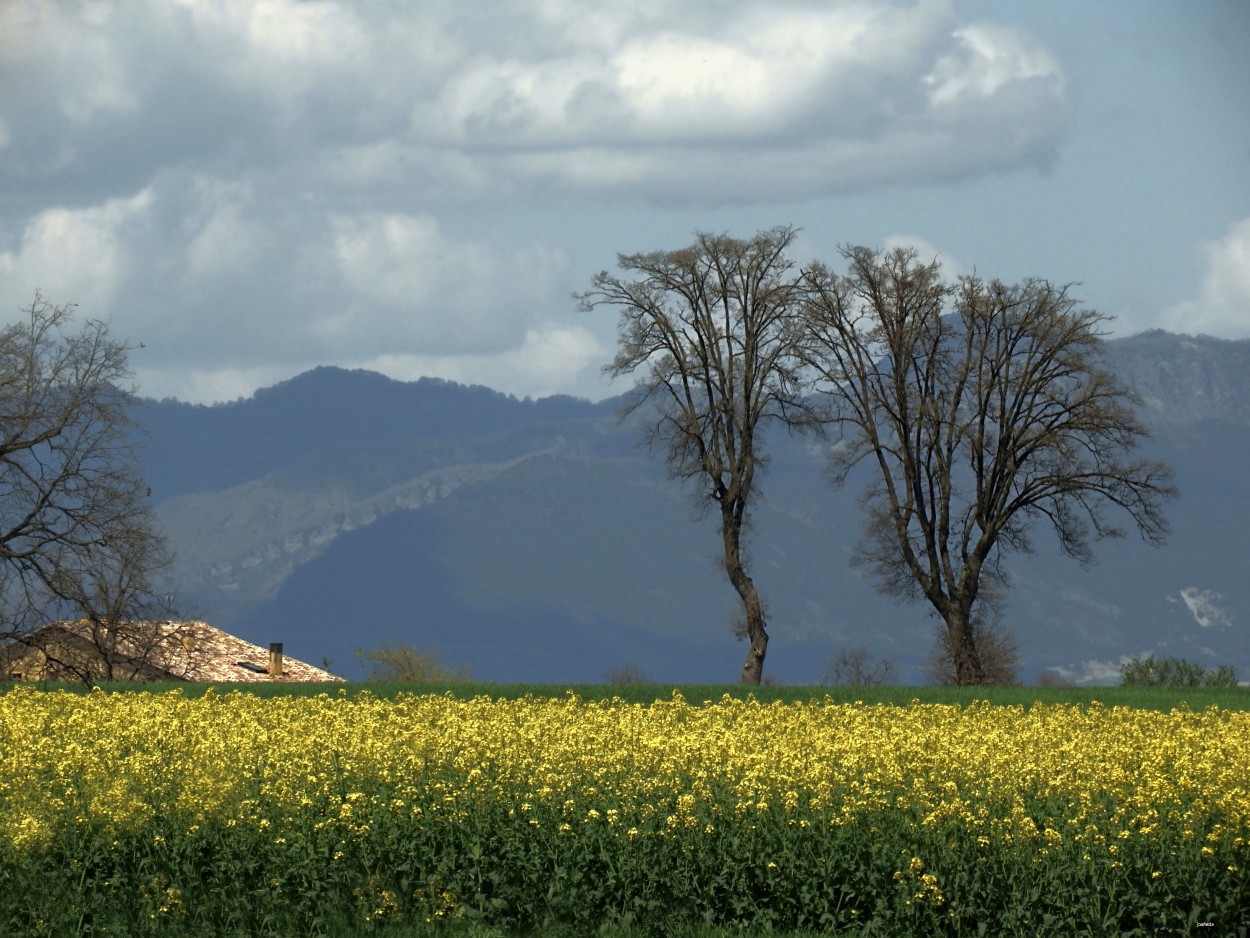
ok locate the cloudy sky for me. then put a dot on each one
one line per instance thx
(254, 187)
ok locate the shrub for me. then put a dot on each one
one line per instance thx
(403, 663)
(1174, 672)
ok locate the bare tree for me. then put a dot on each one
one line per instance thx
(626, 675)
(714, 325)
(975, 424)
(126, 624)
(854, 667)
(406, 664)
(77, 539)
(997, 653)
(1048, 677)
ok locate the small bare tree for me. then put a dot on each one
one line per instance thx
(77, 539)
(976, 421)
(126, 623)
(1048, 677)
(626, 675)
(406, 664)
(714, 325)
(854, 667)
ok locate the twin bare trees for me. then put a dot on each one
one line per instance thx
(981, 407)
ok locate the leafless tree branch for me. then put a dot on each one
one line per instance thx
(77, 539)
(713, 330)
(982, 407)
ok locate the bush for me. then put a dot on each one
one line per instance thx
(403, 663)
(1174, 672)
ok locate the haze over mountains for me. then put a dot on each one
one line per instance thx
(535, 541)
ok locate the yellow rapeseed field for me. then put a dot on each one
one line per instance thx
(122, 757)
(1079, 782)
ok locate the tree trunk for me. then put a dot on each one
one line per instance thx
(963, 648)
(753, 610)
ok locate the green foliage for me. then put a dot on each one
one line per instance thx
(499, 874)
(1139, 697)
(1174, 672)
(405, 664)
(364, 856)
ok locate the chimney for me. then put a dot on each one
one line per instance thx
(275, 660)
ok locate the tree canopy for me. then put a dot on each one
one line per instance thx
(712, 330)
(77, 538)
(981, 407)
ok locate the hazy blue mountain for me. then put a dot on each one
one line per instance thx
(534, 540)
(329, 419)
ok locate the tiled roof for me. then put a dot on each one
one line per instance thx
(195, 651)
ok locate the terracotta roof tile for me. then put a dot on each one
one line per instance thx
(196, 651)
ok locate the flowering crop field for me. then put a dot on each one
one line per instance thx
(134, 814)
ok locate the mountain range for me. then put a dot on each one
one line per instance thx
(536, 541)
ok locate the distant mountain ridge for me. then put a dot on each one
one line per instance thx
(321, 411)
(536, 540)
(1185, 378)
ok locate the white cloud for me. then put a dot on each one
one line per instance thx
(792, 100)
(253, 186)
(1094, 671)
(207, 385)
(94, 79)
(227, 240)
(464, 293)
(226, 283)
(1202, 606)
(730, 100)
(550, 359)
(289, 54)
(76, 255)
(985, 60)
(301, 32)
(927, 251)
(1223, 307)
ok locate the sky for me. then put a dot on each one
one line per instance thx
(252, 189)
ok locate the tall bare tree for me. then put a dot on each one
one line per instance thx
(77, 538)
(977, 421)
(713, 326)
